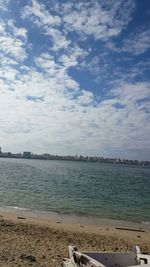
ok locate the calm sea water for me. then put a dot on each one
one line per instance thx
(107, 191)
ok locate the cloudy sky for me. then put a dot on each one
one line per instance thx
(75, 77)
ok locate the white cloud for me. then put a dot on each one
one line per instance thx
(1, 27)
(73, 57)
(8, 73)
(4, 4)
(60, 68)
(40, 16)
(11, 43)
(138, 43)
(93, 65)
(47, 63)
(86, 98)
(53, 70)
(131, 93)
(13, 46)
(103, 20)
(59, 40)
(5, 61)
(22, 32)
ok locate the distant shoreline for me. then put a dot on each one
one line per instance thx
(88, 160)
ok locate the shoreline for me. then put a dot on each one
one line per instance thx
(73, 218)
(30, 239)
(121, 162)
(76, 216)
(90, 224)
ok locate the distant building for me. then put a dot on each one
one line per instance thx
(0, 151)
(27, 155)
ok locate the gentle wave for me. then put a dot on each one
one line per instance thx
(15, 208)
(144, 222)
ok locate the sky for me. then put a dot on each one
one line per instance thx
(75, 77)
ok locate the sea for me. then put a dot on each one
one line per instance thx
(118, 192)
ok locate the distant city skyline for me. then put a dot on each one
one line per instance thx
(75, 77)
(87, 158)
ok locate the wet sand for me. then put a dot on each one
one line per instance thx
(27, 240)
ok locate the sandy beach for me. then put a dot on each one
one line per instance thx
(31, 241)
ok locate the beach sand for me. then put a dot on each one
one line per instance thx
(32, 241)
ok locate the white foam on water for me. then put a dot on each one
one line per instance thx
(145, 222)
(13, 208)
(16, 208)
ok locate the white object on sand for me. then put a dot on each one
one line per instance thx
(106, 259)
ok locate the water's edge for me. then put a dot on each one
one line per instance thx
(73, 218)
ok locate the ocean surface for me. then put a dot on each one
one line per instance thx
(90, 189)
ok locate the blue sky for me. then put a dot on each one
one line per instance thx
(75, 77)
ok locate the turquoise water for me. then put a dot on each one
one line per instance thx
(94, 189)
